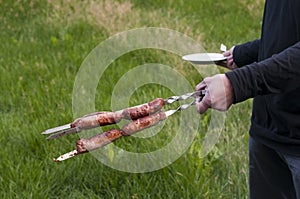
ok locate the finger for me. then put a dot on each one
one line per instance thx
(201, 86)
(227, 53)
(202, 106)
(229, 58)
(232, 66)
(221, 63)
(230, 62)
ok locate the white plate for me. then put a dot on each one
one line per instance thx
(204, 58)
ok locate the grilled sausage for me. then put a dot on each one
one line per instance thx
(106, 118)
(96, 119)
(143, 123)
(84, 145)
(143, 110)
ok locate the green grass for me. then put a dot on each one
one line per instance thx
(42, 47)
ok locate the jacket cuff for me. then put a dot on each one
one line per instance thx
(232, 80)
(246, 53)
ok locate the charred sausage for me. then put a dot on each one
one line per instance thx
(96, 119)
(84, 145)
(106, 118)
(143, 110)
(143, 123)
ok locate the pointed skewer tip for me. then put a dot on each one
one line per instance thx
(66, 156)
(56, 129)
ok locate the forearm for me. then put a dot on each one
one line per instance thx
(275, 75)
(246, 53)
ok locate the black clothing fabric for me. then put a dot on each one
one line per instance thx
(272, 174)
(270, 72)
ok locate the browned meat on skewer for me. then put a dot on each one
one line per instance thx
(84, 145)
(102, 139)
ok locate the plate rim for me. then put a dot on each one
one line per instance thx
(209, 60)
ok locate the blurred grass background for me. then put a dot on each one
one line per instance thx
(43, 44)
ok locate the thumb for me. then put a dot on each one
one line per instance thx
(227, 53)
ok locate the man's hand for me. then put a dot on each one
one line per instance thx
(229, 63)
(219, 93)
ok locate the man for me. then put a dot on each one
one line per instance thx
(267, 69)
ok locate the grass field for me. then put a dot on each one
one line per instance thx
(43, 44)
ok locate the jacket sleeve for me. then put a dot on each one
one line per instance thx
(246, 53)
(277, 74)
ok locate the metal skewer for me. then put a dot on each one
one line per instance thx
(56, 129)
(168, 113)
(66, 156)
(66, 129)
(62, 133)
(173, 99)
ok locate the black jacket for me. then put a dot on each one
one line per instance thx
(270, 72)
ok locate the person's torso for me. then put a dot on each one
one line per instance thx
(279, 113)
(281, 27)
